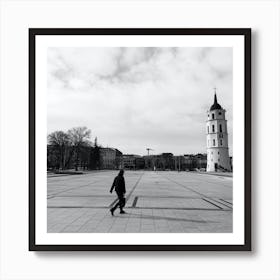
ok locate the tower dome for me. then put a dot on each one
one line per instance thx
(216, 105)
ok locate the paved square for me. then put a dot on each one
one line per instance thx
(156, 202)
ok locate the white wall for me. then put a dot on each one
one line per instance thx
(17, 263)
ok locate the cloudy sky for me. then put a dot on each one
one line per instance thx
(138, 98)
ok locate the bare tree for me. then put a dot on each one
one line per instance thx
(59, 140)
(79, 137)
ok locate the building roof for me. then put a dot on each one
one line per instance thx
(108, 149)
(216, 105)
(131, 155)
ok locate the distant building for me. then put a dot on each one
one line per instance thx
(163, 161)
(128, 161)
(193, 162)
(217, 139)
(149, 162)
(189, 162)
(139, 162)
(166, 161)
(201, 161)
(110, 158)
(132, 162)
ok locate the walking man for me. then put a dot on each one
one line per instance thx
(119, 185)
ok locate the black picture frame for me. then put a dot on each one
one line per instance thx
(246, 32)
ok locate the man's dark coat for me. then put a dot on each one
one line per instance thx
(119, 185)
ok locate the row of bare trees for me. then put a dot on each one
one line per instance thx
(64, 147)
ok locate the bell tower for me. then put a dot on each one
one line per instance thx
(217, 139)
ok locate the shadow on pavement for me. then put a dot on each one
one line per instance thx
(151, 217)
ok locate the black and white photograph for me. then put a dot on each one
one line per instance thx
(140, 140)
(146, 125)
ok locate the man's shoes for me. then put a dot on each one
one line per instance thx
(122, 212)
(112, 211)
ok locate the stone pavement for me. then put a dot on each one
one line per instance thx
(163, 201)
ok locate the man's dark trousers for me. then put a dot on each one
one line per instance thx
(121, 202)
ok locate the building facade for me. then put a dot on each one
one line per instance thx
(110, 158)
(195, 162)
(164, 161)
(217, 139)
(133, 162)
(128, 162)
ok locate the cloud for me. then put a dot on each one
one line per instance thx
(132, 98)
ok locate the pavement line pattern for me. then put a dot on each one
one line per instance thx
(133, 189)
(219, 176)
(226, 205)
(137, 207)
(157, 202)
(182, 208)
(188, 188)
(212, 203)
(226, 201)
(90, 195)
(135, 201)
(204, 197)
(70, 189)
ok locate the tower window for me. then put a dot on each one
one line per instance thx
(213, 116)
(220, 113)
(208, 128)
(221, 142)
(213, 128)
(221, 128)
(214, 142)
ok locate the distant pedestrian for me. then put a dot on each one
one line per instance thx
(119, 185)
